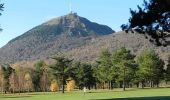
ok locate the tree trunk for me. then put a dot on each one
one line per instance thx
(150, 83)
(103, 85)
(13, 90)
(62, 84)
(109, 85)
(137, 85)
(157, 83)
(19, 82)
(95, 86)
(124, 80)
(120, 84)
(124, 86)
(2, 86)
(89, 87)
(112, 85)
(142, 84)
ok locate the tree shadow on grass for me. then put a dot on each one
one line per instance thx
(140, 98)
(14, 97)
(107, 91)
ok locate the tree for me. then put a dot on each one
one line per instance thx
(1, 79)
(38, 72)
(167, 71)
(54, 86)
(44, 80)
(70, 84)
(6, 70)
(20, 73)
(28, 82)
(13, 80)
(153, 20)
(124, 64)
(84, 75)
(62, 69)
(105, 71)
(150, 67)
(1, 9)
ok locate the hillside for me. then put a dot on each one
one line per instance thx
(60, 34)
(132, 41)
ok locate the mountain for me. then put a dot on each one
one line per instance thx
(77, 38)
(60, 34)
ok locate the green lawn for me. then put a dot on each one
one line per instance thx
(132, 94)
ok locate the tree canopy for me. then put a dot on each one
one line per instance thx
(124, 62)
(1, 9)
(150, 67)
(62, 68)
(153, 20)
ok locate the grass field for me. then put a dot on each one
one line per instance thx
(131, 94)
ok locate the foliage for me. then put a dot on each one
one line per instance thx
(20, 73)
(28, 82)
(54, 86)
(124, 64)
(152, 20)
(111, 70)
(105, 71)
(39, 66)
(44, 81)
(84, 75)
(1, 9)
(6, 70)
(104, 65)
(13, 81)
(150, 67)
(62, 69)
(70, 84)
(167, 71)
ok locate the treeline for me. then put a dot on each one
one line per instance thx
(119, 69)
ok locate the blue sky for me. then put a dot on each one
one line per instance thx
(21, 15)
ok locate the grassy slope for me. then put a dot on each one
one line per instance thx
(133, 94)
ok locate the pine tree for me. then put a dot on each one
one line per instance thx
(38, 73)
(124, 64)
(84, 75)
(150, 67)
(1, 9)
(62, 69)
(167, 71)
(6, 70)
(153, 20)
(105, 70)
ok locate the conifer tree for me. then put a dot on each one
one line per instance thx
(153, 20)
(124, 64)
(62, 69)
(150, 67)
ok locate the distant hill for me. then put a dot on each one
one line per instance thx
(132, 41)
(60, 34)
